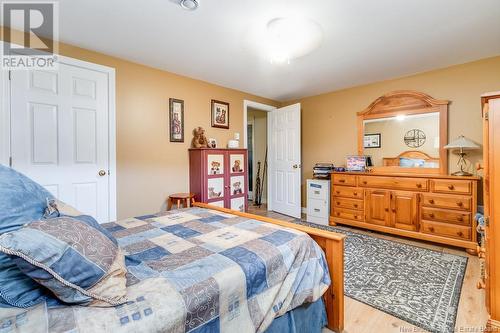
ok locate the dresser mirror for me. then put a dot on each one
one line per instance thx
(405, 131)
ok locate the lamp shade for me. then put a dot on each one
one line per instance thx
(462, 143)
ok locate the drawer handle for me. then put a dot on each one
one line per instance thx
(355, 217)
(431, 215)
(317, 210)
(431, 229)
(393, 210)
(419, 185)
(431, 201)
(451, 187)
(355, 205)
(316, 192)
(365, 182)
(460, 204)
(338, 213)
(355, 193)
(460, 234)
(460, 218)
(338, 203)
(387, 209)
(338, 192)
(341, 180)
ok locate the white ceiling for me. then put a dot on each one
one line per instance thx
(363, 40)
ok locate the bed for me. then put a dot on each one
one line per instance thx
(209, 269)
(412, 159)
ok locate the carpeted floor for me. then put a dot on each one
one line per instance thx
(415, 284)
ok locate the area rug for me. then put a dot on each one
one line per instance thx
(417, 285)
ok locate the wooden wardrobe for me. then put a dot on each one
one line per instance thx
(219, 177)
(491, 249)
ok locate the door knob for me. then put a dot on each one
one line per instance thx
(296, 166)
(102, 173)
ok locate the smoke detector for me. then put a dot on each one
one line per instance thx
(189, 4)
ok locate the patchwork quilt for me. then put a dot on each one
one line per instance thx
(195, 270)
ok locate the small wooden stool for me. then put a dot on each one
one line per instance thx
(187, 199)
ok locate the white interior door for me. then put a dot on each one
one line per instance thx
(60, 134)
(284, 160)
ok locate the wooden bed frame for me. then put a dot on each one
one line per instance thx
(412, 154)
(332, 244)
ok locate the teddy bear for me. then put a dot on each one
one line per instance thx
(237, 167)
(212, 194)
(215, 170)
(237, 188)
(199, 139)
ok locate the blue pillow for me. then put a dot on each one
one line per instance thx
(74, 257)
(21, 201)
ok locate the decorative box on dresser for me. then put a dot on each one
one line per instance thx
(219, 177)
(427, 207)
(491, 250)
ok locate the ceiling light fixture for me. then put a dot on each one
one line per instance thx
(290, 38)
(189, 4)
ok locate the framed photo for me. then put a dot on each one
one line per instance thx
(220, 114)
(176, 120)
(372, 141)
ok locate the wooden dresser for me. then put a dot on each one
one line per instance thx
(427, 207)
(490, 252)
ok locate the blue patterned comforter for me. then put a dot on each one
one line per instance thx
(196, 270)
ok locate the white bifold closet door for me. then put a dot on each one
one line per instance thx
(60, 134)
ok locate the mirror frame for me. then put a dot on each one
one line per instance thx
(407, 102)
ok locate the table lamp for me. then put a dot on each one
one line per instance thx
(463, 144)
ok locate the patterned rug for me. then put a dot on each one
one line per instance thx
(417, 285)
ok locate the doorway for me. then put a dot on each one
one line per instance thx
(283, 175)
(257, 156)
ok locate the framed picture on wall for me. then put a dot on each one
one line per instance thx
(220, 114)
(176, 120)
(372, 141)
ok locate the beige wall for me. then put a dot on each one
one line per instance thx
(329, 120)
(260, 144)
(392, 132)
(149, 167)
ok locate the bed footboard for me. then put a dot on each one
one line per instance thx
(332, 244)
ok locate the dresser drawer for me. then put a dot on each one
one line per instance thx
(446, 216)
(451, 186)
(318, 208)
(339, 179)
(396, 183)
(348, 192)
(348, 203)
(446, 230)
(348, 214)
(447, 201)
(317, 190)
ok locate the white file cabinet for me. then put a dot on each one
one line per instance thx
(318, 201)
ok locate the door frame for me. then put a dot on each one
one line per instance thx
(5, 110)
(266, 108)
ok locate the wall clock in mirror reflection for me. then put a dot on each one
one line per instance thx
(414, 138)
